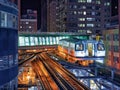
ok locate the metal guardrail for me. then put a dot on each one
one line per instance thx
(51, 33)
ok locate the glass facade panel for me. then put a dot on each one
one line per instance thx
(3, 19)
(44, 40)
(10, 60)
(9, 18)
(27, 41)
(47, 40)
(9, 45)
(60, 37)
(57, 39)
(36, 41)
(21, 41)
(51, 42)
(40, 41)
(32, 41)
(54, 40)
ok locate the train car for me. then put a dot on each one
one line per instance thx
(82, 51)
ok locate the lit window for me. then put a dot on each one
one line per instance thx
(90, 25)
(84, 7)
(98, 2)
(89, 1)
(30, 27)
(115, 7)
(90, 19)
(20, 26)
(84, 13)
(93, 13)
(27, 22)
(82, 31)
(89, 31)
(82, 1)
(75, 6)
(108, 3)
(81, 19)
(75, 12)
(81, 25)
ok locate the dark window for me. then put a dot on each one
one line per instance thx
(72, 0)
(98, 20)
(72, 25)
(72, 19)
(116, 48)
(115, 37)
(89, 7)
(108, 37)
(3, 40)
(116, 59)
(109, 48)
(97, 7)
(98, 13)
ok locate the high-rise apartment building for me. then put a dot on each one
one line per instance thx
(83, 16)
(112, 37)
(28, 22)
(8, 45)
(52, 16)
(44, 15)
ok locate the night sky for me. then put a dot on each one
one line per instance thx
(114, 7)
(31, 4)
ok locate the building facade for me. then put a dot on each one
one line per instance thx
(44, 15)
(52, 16)
(83, 16)
(114, 13)
(111, 38)
(28, 22)
(9, 51)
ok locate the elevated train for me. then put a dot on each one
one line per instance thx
(83, 52)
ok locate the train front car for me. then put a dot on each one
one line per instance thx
(100, 50)
(83, 52)
(89, 51)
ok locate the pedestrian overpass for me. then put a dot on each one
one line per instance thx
(26, 40)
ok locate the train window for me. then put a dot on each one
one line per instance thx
(79, 47)
(60, 42)
(100, 47)
(72, 45)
